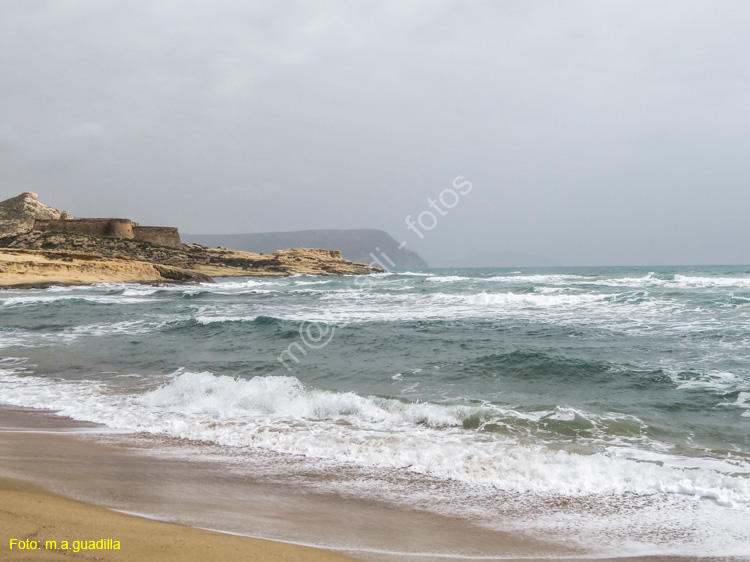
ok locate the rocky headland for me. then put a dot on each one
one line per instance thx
(361, 245)
(31, 257)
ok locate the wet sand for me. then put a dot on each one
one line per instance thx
(123, 472)
(44, 522)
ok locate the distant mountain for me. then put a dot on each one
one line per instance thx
(494, 259)
(361, 245)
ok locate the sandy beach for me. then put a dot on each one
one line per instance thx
(43, 522)
(35, 442)
(45, 460)
(125, 472)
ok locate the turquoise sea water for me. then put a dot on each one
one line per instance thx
(600, 383)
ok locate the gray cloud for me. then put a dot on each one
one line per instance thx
(593, 133)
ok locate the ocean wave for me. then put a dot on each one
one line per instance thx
(448, 279)
(139, 291)
(57, 300)
(719, 381)
(130, 327)
(206, 320)
(742, 401)
(11, 338)
(677, 281)
(701, 282)
(260, 320)
(298, 283)
(227, 398)
(280, 414)
(12, 362)
(732, 300)
(651, 279)
(351, 307)
(522, 299)
(242, 284)
(541, 279)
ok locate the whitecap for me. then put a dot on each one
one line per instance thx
(280, 414)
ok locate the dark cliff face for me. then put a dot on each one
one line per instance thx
(362, 245)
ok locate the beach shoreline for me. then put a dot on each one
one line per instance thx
(40, 525)
(131, 473)
(50, 458)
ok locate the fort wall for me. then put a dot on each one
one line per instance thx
(164, 235)
(117, 228)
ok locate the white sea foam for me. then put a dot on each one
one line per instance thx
(651, 279)
(43, 299)
(11, 362)
(206, 320)
(139, 291)
(298, 283)
(687, 281)
(712, 380)
(528, 300)
(448, 279)
(11, 338)
(132, 327)
(541, 279)
(279, 414)
(743, 401)
(241, 284)
(38, 299)
(351, 307)
(677, 282)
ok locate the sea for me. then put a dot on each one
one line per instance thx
(606, 405)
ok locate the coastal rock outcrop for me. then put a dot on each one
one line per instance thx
(359, 245)
(18, 213)
(31, 268)
(40, 245)
(194, 260)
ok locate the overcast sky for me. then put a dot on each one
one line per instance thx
(594, 132)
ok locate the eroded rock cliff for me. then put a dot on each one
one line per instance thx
(191, 259)
(30, 268)
(18, 213)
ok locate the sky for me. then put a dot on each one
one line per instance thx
(591, 132)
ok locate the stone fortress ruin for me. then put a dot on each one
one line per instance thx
(24, 212)
(117, 228)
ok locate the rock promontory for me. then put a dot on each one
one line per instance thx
(364, 245)
(33, 253)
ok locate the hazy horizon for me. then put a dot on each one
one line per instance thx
(591, 133)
